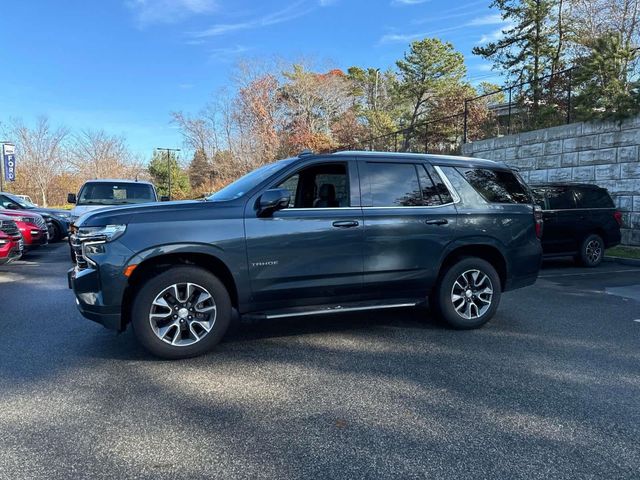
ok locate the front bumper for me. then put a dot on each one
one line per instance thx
(87, 288)
(34, 237)
(11, 250)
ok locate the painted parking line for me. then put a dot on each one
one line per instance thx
(588, 273)
(637, 320)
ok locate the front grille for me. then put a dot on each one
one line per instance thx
(9, 227)
(41, 223)
(76, 246)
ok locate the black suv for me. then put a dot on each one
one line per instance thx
(580, 220)
(314, 234)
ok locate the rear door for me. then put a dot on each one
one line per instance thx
(409, 217)
(564, 225)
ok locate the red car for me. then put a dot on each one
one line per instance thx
(32, 227)
(11, 244)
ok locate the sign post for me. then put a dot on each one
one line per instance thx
(8, 164)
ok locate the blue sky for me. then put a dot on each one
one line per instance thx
(123, 65)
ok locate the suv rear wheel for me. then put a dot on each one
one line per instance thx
(182, 312)
(591, 251)
(468, 294)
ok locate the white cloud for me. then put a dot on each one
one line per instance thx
(293, 11)
(492, 36)
(224, 54)
(492, 19)
(408, 2)
(150, 12)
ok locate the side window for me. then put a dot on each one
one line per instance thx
(430, 195)
(496, 186)
(291, 184)
(319, 186)
(593, 198)
(445, 195)
(469, 197)
(394, 185)
(560, 198)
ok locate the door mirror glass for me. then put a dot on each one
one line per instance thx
(164, 198)
(272, 200)
(71, 198)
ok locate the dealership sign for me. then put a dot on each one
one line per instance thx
(9, 159)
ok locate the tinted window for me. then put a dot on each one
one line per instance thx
(394, 185)
(468, 196)
(445, 196)
(291, 184)
(114, 193)
(497, 186)
(430, 195)
(560, 198)
(319, 186)
(593, 198)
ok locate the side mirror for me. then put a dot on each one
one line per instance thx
(13, 206)
(71, 198)
(272, 200)
(164, 198)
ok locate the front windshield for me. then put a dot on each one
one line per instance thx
(115, 193)
(20, 201)
(244, 184)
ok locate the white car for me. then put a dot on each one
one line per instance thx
(96, 194)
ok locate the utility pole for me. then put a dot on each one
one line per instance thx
(169, 150)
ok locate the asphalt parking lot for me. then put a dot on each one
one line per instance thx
(549, 389)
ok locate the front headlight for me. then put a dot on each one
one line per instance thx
(26, 220)
(100, 234)
(63, 216)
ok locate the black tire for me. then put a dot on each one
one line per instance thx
(442, 303)
(591, 251)
(148, 292)
(56, 236)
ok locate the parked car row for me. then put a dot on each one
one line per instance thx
(25, 226)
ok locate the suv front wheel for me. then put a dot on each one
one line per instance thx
(182, 312)
(468, 294)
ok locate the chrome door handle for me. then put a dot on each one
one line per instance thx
(346, 224)
(438, 221)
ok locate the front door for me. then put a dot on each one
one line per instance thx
(311, 252)
(409, 217)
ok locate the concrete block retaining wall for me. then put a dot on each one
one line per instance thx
(604, 153)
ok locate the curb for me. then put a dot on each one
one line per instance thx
(635, 262)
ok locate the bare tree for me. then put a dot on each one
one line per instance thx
(96, 154)
(40, 150)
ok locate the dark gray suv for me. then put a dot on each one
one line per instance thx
(314, 234)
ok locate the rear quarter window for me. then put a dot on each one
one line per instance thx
(593, 198)
(497, 186)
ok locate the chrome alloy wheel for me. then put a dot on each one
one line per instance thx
(594, 251)
(472, 294)
(182, 314)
